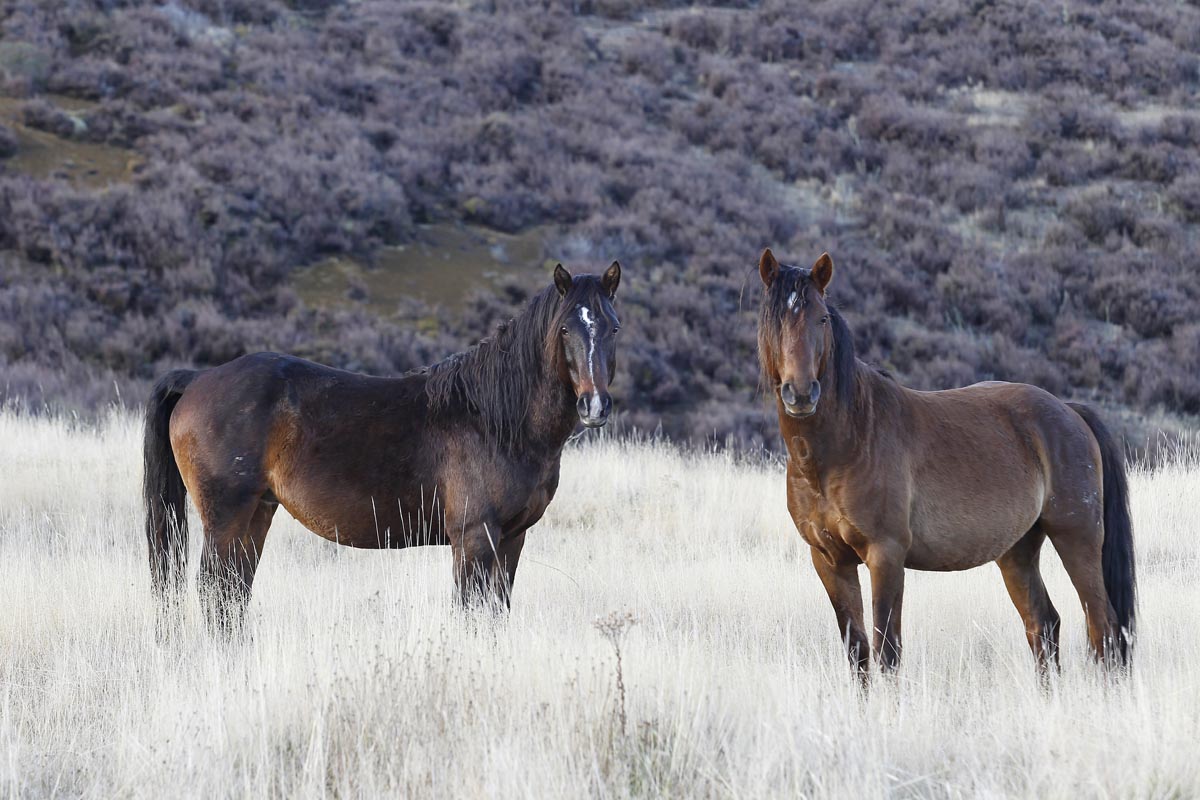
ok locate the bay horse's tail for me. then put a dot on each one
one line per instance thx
(163, 489)
(1116, 555)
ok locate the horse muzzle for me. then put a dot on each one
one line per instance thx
(796, 406)
(594, 408)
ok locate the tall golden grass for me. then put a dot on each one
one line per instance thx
(358, 676)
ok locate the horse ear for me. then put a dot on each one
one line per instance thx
(822, 272)
(768, 267)
(611, 279)
(562, 279)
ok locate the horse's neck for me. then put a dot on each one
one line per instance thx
(552, 417)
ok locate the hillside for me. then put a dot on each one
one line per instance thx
(1009, 190)
(359, 676)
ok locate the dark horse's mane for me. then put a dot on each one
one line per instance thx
(497, 378)
(770, 329)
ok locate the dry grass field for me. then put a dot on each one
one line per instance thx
(360, 678)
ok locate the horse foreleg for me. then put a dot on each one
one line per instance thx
(886, 565)
(509, 555)
(845, 594)
(476, 550)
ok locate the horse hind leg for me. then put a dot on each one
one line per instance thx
(508, 556)
(1079, 548)
(233, 544)
(1023, 579)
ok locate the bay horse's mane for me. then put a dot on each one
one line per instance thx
(497, 377)
(844, 360)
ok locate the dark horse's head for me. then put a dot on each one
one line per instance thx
(585, 335)
(801, 337)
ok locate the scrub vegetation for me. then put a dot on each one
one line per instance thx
(1010, 189)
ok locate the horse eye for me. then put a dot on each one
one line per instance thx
(564, 330)
(824, 319)
(616, 328)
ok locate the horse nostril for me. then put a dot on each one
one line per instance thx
(593, 408)
(814, 393)
(787, 393)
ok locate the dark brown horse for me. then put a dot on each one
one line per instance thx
(895, 478)
(464, 453)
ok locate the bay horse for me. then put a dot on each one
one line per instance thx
(948, 480)
(465, 452)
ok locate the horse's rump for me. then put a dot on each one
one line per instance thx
(993, 459)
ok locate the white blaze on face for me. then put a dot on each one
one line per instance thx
(585, 316)
(792, 298)
(589, 322)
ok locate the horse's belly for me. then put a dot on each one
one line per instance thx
(931, 557)
(969, 536)
(357, 519)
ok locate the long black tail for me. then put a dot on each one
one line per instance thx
(163, 489)
(1120, 578)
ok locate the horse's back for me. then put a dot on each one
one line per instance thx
(1043, 419)
(1000, 407)
(276, 382)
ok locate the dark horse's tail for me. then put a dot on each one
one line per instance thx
(166, 513)
(1116, 556)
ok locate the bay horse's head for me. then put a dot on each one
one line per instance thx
(796, 331)
(586, 339)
